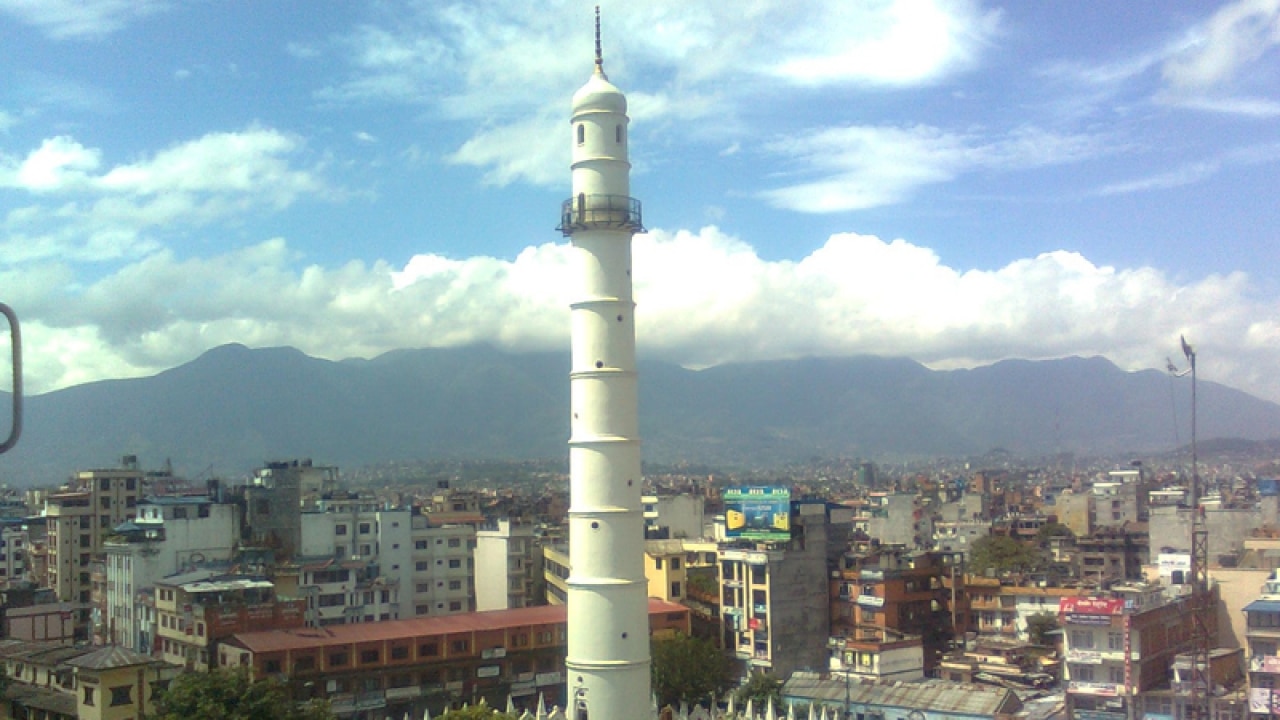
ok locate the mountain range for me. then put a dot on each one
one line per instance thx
(233, 408)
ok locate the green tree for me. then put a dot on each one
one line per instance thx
(232, 695)
(1039, 626)
(1004, 554)
(687, 668)
(760, 688)
(1052, 530)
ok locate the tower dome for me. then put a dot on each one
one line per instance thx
(599, 95)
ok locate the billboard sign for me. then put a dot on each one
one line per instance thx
(758, 513)
(1089, 611)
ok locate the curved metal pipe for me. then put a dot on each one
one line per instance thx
(15, 334)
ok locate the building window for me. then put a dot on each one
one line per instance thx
(400, 652)
(419, 544)
(657, 563)
(458, 646)
(617, 134)
(675, 589)
(88, 695)
(368, 657)
(364, 528)
(428, 649)
(1115, 674)
(272, 666)
(455, 563)
(455, 584)
(1082, 639)
(1082, 673)
(582, 133)
(675, 563)
(455, 542)
(340, 530)
(1115, 641)
(422, 565)
(455, 605)
(338, 659)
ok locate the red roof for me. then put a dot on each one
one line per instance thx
(305, 638)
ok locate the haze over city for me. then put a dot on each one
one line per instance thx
(956, 182)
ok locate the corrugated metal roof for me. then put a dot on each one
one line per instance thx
(302, 638)
(933, 696)
(1263, 606)
(110, 657)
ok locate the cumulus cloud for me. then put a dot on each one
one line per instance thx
(83, 211)
(855, 294)
(80, 18)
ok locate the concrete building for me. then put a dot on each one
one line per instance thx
(674, 516)
(169, 534)
(774, 609)
(274, 501)
(15, 545)
(388, 669)
(896, 519)
(1120, 650)
(78, 517)
(195, 615)
(507, 563)
(891, 588)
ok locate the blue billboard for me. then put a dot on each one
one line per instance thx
(757, 513)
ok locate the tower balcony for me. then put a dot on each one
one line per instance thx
(600, 212)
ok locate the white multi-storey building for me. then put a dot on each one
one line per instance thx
(169, 534)
(444, 573)
(15, 543)
(507, 563)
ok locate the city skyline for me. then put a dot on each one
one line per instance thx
(953, 182)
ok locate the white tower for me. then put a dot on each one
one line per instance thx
(607, 665)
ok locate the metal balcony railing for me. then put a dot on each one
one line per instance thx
(600, 212)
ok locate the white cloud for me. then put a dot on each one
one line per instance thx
(855, 294)
(92, 214)
(59, 164)
(1237, 35)
(80, 18)
(497, 64)
(859, 167)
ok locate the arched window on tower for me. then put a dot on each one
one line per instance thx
(582, 134)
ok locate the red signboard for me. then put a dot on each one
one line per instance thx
(1091, 606)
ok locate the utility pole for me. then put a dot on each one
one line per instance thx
(1201, 608)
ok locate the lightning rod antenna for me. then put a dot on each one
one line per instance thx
(599, 52)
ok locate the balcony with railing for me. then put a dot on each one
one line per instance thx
(600, 212)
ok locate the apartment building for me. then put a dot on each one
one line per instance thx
(999, 608)
(15, 547)
(673, 516)
(508, 561)
(774, 611)
(195, 612)
(169, 534)
(388, 669)
(890, 587)
(1120, 647)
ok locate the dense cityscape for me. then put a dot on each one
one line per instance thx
(603, 588)
(414, 589)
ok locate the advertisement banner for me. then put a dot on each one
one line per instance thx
(1260, 700)
(758, 513)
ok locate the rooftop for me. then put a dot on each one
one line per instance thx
(304, 638)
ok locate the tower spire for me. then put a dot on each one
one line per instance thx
(599, 52)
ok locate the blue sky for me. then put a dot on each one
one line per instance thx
(957, 182)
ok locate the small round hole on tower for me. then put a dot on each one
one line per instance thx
(628, 483)
(619, 318)
(624, 636)
(595, 525)
(599, 364)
